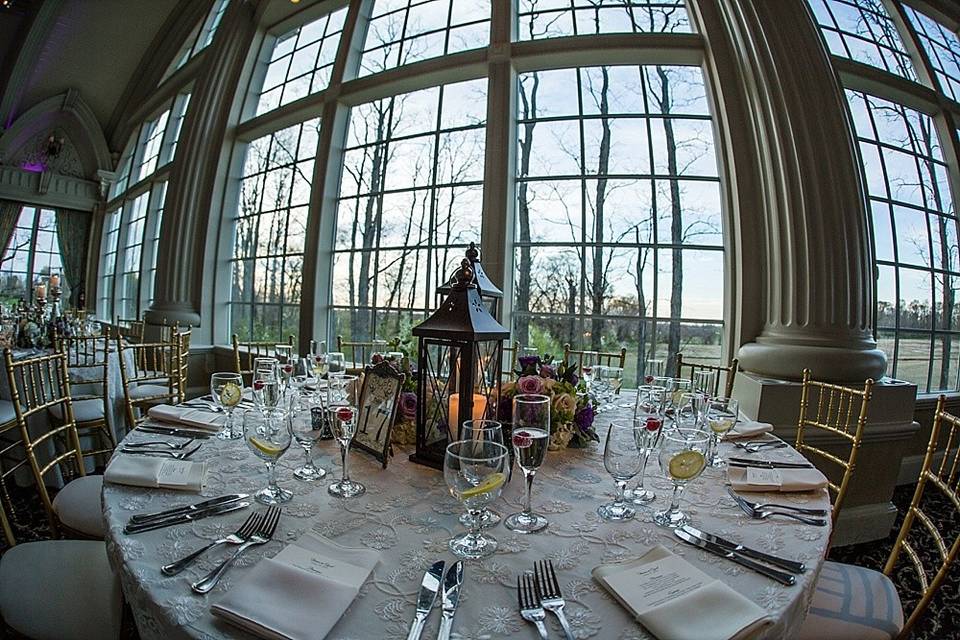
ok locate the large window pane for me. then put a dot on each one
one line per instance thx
(32, 254)
(558, 18)
(942, 47)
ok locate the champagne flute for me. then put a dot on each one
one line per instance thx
(226, 389)
(623, 459)
(682, 458)
(482, 431)
(587, 363)
(266, 389)
(531, 435)
(474, 473)
(721, 416)
(306, 433)
(268, 439)
(648, 418)
(342, 401)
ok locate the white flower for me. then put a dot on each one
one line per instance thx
(500, 620)
(771, 597)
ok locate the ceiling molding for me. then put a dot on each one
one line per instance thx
(30, 50)
(48, 189)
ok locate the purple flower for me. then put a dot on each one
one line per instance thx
(584, 417)
(408, 405)
(530, 384)
(529, 362)
(546, 371)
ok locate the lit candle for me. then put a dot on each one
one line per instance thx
(41, 292)
(55, 280)
(479, 407)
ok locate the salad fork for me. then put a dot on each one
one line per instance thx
(548, 592)
(160, 443)
(756, 446)
(763, 514)
(530, 609)
(774, 505)
(177, 455)
(241, 535)
(263, 535)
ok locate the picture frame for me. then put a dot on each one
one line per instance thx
(379, 400)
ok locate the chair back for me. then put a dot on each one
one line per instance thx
(87, 362)
(13, 457)
(604, 358)
(182, 338)
(509, 360)
(943, 477)
(244, 353)
(840, 412)
(37, 385)
(687, 370)
(150, 373)
(132, 330)
(357, 354)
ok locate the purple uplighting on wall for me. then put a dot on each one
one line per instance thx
(33, 167)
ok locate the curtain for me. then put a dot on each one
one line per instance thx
(9, 213)
(73, 227)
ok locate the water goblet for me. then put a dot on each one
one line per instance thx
(474, 473)
(342, 400)
(677, 389)
(623, 459)
(531, 435)
(482, 431)
(268, 439)
(689, 413)
(226, 389)
(682, 458)
(648, 418)
(306, 432)
(721, 416)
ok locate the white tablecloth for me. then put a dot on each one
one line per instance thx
(408, 516)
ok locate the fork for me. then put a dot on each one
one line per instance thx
(548, 592)
(530, 608)
(756, 446)
(763, 514)
(239, 537)
(774, 505)
(160, 443)
(263, 535)
(177, 455)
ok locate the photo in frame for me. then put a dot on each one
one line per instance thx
(379, 399)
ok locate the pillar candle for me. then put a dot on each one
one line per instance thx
(41, 292)
(479, 406)
(55, 280)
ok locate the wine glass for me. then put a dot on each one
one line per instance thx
(705, 381)
(623, 459)
(268, 439)
(306, 432)
(690, 410)
(682, 458)
(342, 400)
(653, 368)
(474, 472)
(283, 352)
(721, 416)
(226, 389)
(679, 387)
(336, 363)
(378, 348)
(648, 418)
(482, 431)
(587, 362)
(266, 389)
(531, 435)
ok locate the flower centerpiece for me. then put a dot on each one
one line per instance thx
(572, 411)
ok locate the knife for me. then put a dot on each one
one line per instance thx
(429, 587)
(783, 563)
(173, 431)
(773, 574)
(188, 508)
(184, 518)
(451, 597)
(768, 464)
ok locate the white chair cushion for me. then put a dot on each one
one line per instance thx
(83, 410)
(7, 412)
(60, 590)
(78, 506)
(852, 603)
(142, 391)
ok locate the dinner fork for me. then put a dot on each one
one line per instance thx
(763, 514)
(160, 443)
(756, 446)
(774, 505)
(530, 608)
(263, 535)
(548, 592)
(177, 455)
(240, 536)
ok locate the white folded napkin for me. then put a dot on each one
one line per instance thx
(147, 471)
(676, 601)
(782, 480)
(748, 429)
(300, 593)
(188, 416)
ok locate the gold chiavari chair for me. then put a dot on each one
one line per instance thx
(87, 361)
(351, 349)
(852, 602)
(693, 367)
(841, 412)
(244, 353)
(131, 329)
(62, 589)
(604, 358)
(151, 375)
(509, 360)
(37, 385)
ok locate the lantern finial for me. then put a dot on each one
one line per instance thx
(473, 254)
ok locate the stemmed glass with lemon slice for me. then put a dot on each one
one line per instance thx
(268, 439)
(227, 391)
(474, 472)
(489, 431)
(682, 458)
(721, 416)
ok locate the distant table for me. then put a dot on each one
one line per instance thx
(408, 516)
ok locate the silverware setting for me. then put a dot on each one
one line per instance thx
(429, 588)
(164, 453)
(263, 534)
(723, 552)
(160, 443)
(184, 518)
(756, 446)
(530, 608)
(548, 593)
(246, 530)
(767, 464)
(451, 598)
(188, 508)
(175, 432)
(774, 505)
(791, 566)
(763, 514)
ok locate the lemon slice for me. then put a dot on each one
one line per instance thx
(686, 465)
(722, 425)
(494, 481)
(268, 449)
(230, 394)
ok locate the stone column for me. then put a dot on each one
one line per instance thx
(190, 192)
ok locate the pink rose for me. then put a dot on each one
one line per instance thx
(530, 384)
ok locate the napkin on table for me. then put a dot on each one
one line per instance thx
(147, 471)
(674, 600)
(188, 416)
(748, 429)
(782, 480)
(300, 593)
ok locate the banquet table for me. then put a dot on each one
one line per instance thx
(407, 515)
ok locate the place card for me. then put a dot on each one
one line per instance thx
(764, 477)
(175, 473)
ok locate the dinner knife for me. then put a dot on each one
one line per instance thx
(174, 431)
(773, 574)
(451, 597)
(788, 565)
(429, 587)
(188, 508)
(768, 464)
(184, 518)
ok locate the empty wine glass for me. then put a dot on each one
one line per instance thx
(284, 352)
(474, 473)
(622, 459)
(482, 431)
(342, 399)
(705, 381)
(336, 363)
(653, 368)
(226, 389)
(690, 411)
(721, 416)
(531, 435)
(648, 418)
(306, 432)
(268, 439)
(682, 458)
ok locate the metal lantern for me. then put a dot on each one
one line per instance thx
(489, 292)
(458, 372)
